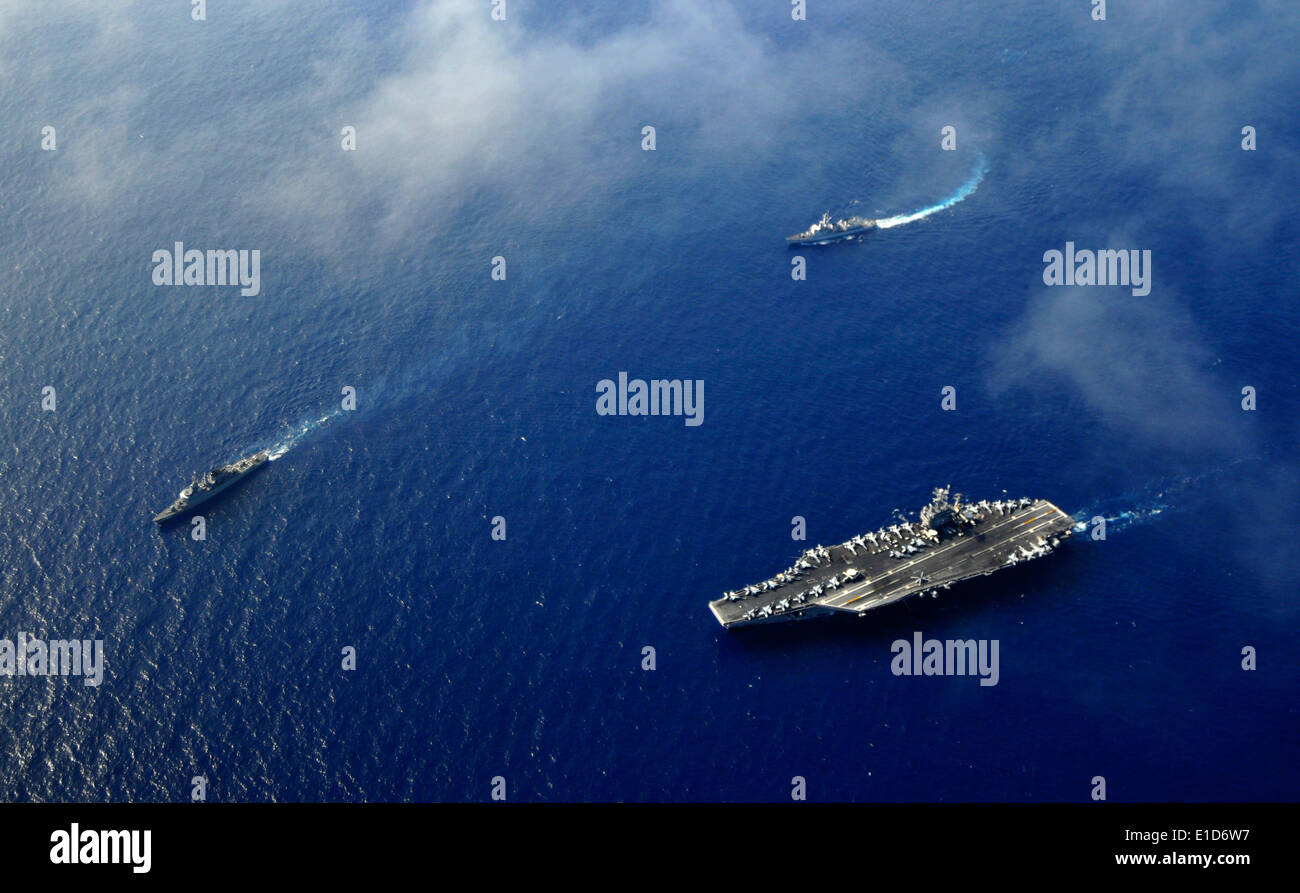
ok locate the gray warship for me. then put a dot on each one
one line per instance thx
(209, 485)
(826, 230)
(953, 541)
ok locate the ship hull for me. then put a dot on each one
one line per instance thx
(859, 576)
(827, 238)
(203, 496)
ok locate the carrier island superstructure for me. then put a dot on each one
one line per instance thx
(953, 541)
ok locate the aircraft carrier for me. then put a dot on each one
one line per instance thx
(826, 230)
(953, 541)
(209, 485)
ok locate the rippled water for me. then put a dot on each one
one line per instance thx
(522, 658)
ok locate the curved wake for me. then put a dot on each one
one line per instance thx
(962, 192)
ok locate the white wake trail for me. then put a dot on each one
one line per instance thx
(1145, 505)
(962, 192)
(300, 431)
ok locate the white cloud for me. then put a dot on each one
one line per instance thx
(1139, 364)
(478, 105)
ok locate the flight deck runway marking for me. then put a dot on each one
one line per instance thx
(894, 595)
(892, 588)
(954, 544)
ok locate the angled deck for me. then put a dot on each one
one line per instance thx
(859, 575)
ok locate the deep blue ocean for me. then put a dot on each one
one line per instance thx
(476, 398)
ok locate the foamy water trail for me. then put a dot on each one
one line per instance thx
(1121, 520)
(962, 192)
(383, 391)
(301, 431)
(1144, 506)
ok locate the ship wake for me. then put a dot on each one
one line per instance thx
(1118, 519)
(963, 192)
(300, 432)
(381, 392)
(1148, 503)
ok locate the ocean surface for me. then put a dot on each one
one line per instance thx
(476, 398)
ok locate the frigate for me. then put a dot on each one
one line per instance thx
(827, 230)
(952, 541)
(209, 485)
